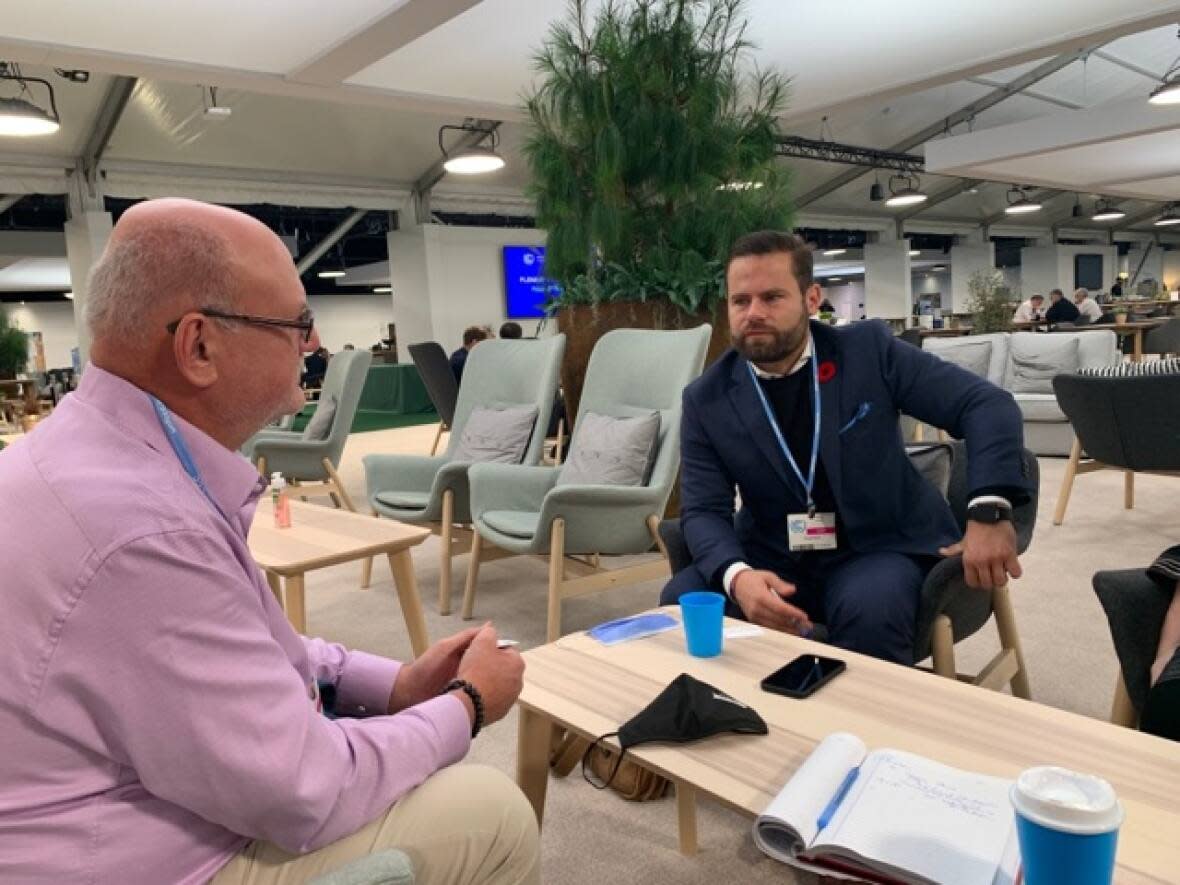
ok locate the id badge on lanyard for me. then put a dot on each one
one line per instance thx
(811, 530)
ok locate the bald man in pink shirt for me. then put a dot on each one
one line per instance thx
(159, 716)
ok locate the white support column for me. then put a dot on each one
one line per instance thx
(968, 256)
(887, 280)
(409, 278)
(87, 232)
(1038, 272)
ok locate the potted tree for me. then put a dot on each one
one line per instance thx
(988, 302)
(14, 348)
(652, 149)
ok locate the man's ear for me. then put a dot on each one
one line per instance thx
(193, 348)
(811, 299)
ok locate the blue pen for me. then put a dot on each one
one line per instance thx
(829, 812)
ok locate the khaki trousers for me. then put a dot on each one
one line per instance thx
(466, 824)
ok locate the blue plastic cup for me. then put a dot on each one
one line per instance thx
(1068, 826)
(703, 614)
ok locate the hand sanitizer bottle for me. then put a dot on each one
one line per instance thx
(280, 500)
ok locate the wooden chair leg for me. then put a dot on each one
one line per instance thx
(1071, 471)
(437, 436)
(262, 466)
(472, 575)
(1122, 712)
(367, 566)
(1129, 489)
(334, 478)
(556, 575)
(444, 561)
(1010, 639)
(919, 432)
(943, 648)
(653, 526)
(560, 440)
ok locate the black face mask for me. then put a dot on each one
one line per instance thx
(687, 710)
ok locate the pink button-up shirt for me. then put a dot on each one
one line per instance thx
(155, 709)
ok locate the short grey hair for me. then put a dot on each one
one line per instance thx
(170, 260)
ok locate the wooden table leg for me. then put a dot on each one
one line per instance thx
(686, 812)
(1137, 354)
(293, 592)
(407, 593)
(532, 758)
(276, 587)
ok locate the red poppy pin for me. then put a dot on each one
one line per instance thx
(827, 371)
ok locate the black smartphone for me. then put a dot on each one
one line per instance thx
(803, 676)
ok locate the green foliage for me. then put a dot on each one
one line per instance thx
(14, 348)
(989, 302)
(650, 152)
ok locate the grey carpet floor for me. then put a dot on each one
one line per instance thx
(592, 837)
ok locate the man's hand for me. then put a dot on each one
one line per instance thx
(760, 596)
(426, 677)
(989, 554)
(497, 673)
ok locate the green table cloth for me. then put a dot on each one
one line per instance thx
(398, 389)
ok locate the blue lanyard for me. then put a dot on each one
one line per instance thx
(809, 483)
(183, 454)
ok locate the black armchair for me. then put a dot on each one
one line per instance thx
(949, 611)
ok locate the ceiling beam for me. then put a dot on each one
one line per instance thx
(1128, 66)
(1029, 93)
(338, 232)
(379, 39)
(965, 113)
(114, 102)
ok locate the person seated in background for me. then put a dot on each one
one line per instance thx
(1087, 306)
(800, 417)
(1116, 291)
(511, 330)
(1030, 311)
(1061, 309)
(315, 366)
(350, 347)
(472, 335)
(161, 719)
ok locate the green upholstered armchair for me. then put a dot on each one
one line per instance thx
(313, 462)
(432, 490)
(522, 510)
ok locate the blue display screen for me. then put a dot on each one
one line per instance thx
(526, 291)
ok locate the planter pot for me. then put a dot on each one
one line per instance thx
(1120, 319)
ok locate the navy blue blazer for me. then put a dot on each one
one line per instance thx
(884, 503)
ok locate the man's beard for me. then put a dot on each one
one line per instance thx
(773, 349)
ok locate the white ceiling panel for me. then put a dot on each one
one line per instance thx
(272, 36)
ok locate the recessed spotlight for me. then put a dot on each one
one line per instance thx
(330, 274)
(832, 252)
(830, 280)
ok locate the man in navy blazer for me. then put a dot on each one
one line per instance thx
(836, 526)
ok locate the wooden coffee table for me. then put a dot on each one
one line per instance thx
(323, 536)
(578, 684)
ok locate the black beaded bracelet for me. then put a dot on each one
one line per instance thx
(476, 701)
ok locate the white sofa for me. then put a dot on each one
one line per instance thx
(1024, 363)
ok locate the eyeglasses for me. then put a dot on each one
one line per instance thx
(304, 322)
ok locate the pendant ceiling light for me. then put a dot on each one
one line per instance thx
(1168, 92)
(1169, 218)
(472, 158)
(1019, 202)
(905, 190)
(20, 115)
(1105, 211)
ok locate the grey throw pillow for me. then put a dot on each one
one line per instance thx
(498, 435)
(611, 451)
(1034, 360)
(320, 424)
(974, 357)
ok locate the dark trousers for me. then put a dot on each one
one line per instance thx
(867, 601)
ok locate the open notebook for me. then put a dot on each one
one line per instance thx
(899, 818)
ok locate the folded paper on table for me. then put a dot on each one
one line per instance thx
(900, 818)
(634, 627)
